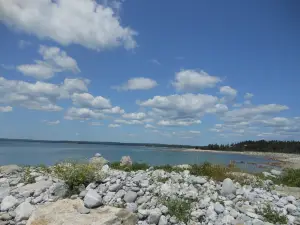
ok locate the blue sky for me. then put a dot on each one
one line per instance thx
(197, 72)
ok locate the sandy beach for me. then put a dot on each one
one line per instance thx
(286, 160)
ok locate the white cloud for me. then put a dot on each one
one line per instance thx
(87, 100)
(135, 116)
(114, 125)
(155, 61)
(68, 22)
(191, 80)
(83, 114)
(250, 112)
(178, 122)
(114, 110)
(38, 95)
(23, 44)
(39, 71)
(129, 122)
(248, 95)
(195, 132)
(56, 122)
(55, 61)
(6, 108)
(137, 83)
(149, 126)
(277, 122)
(95, 124)
(228, 91)
(181, 104)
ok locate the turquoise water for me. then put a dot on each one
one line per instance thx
(33, 153)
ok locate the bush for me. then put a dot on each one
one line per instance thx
(133, 167)
(272, 215)
(179, 208)
(216, 172)
(168, 168)
(76, 174)
(27, 178)
(290, 177)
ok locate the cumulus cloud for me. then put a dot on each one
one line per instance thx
(83, 114)
(113, 125)
(82, 22)
(38, 95)
(228, 92)
(191, 80)
(51, 123)
(248, 95)
(137, 83)
(254, 111)
(135, 116)
(114, 110)
(129, 122)
(95, 124)
(178, 122)
(55, 61)
(87, 100)
(181, 105)
(6, 108)
(149, 126)
(23, 44)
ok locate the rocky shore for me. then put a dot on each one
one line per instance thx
(144, 197)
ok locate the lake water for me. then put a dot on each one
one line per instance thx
(33, 153)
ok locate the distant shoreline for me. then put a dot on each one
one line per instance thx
(287, 160)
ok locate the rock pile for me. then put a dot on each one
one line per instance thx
(144, 195)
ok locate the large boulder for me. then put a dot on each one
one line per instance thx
(8, 202)
(126, 161)
(228, 187)
(92, 199)
(10, 169)
(23, 211)
(66, 212)
(29, 189)
(98, 161)
(4, 191)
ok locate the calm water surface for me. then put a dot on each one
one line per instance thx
(33, 153)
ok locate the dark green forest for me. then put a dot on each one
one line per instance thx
(258, 146)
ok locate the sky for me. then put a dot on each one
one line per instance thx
(174, 72)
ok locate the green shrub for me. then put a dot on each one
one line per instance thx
(169, 168)
(272, 215)
(76, 174)
(133, 167)
(27, 178)
(216, 172)
(42, 168)
(179, 208)
(162, 179)
(290, 177)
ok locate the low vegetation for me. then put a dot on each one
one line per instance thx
(272, 215)
(27, 177)
(180, 208)
(168, 168)
(133, 167)
(290, 177)
(76, 174)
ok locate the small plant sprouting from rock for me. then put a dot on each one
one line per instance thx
(76, 174)
(179, 208)
(133, 167)
(162, 179)
(272, 215)
(27, 177)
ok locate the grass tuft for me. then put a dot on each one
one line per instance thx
(133, 167)
(179, 208)
(272, 216)
(169, 168)
(27, 178)
(76, 174)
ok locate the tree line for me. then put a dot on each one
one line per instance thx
(258, 146)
